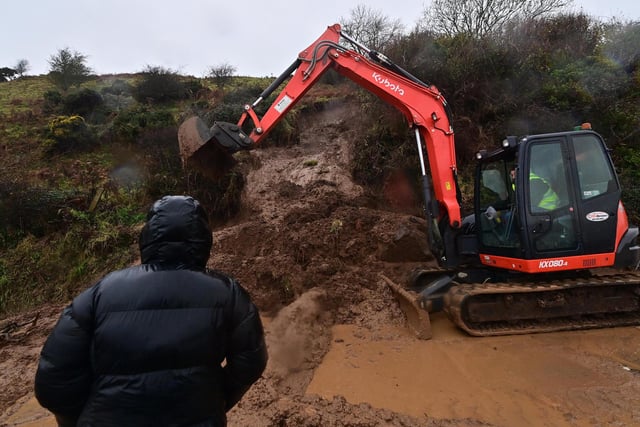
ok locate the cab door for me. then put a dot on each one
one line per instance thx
(551, 213)
(576, 215)
(597, 192)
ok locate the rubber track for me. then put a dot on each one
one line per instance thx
(460, 296)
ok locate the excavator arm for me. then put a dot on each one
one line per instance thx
(423, 106)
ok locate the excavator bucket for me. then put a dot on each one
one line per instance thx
(417, 318)
(210, 150)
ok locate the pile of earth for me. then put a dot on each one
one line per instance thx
(310, 246)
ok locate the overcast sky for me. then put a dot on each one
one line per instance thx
(258, 37)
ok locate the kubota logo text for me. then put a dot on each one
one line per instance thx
(551, 263)
(383, 81)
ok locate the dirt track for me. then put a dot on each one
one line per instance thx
(309, 247)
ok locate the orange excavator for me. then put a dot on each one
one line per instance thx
(548, 246)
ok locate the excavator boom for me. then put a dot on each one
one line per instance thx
(423, 106)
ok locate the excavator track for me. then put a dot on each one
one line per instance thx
(526, 307)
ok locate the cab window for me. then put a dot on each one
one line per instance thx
(497, 204)
(547, 178)
(594, 169)
(549, 198)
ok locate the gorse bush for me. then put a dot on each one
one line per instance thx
(68, 133)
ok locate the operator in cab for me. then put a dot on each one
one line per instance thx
(543, 197)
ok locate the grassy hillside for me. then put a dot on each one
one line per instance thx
(49, 241)
(78, 175)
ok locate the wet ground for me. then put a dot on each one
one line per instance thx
(583, 378)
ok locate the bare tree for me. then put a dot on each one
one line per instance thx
(221, 74)
(22, 67)
(478, 18)
(371, 27)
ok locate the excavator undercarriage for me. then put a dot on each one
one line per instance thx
(525, 304)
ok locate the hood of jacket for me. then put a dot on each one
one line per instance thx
(176, 233)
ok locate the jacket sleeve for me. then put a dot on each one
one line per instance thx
(63, 378)
(247, 350)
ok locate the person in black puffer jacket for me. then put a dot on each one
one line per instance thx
(164, 343)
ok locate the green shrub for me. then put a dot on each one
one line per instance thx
(377, 151)
(55, 268)
(32, 210)
(68, 133)
(192, 87)
(52, 101)
(159, 85)
(82, 103)
(131, 124)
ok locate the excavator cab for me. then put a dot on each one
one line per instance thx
(551, 197)
(550, 228)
